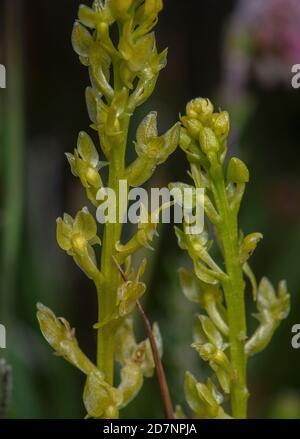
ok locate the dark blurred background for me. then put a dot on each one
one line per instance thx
(239, 54)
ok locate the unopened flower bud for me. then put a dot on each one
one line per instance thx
(237, 171)
(221, 125)
(193, 127)
(185, 139)
(200, 108)
(120, 8)
(249, 245)
(208, 141)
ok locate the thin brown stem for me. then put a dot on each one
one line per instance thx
(161, 376)
(160, 373)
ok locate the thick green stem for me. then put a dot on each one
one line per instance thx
(234, 288)
(108, 291)
(107, 288)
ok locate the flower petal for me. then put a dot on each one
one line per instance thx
(87, 16)
(85, 224)
(63, 234)
(87, 149)
(147, 128)
(81, 39)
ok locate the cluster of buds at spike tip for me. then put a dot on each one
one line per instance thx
(135, 58)
(135, 53)
(203, 138)
(205, 132)
(272, 309)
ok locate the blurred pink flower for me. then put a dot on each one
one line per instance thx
(264, 41)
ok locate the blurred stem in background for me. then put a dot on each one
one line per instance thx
(12, 158)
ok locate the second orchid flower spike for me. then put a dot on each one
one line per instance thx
(220, 292)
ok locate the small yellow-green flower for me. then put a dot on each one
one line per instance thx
(210, 346)
(272, 309)
(204, 399)
(76, 237)
(147, 230)
(147, 16)
(198, 246)
(85, 162)
(152, 150)
(100, 399)
(152, 146)
(61, 337)
(130, 292)
(209, 297)
(128, 351)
